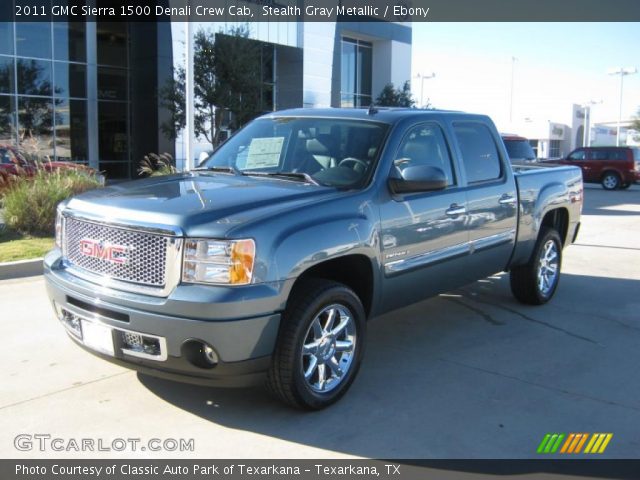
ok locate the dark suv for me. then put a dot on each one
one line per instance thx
(613, 167)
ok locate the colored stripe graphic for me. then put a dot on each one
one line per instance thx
(597, 443)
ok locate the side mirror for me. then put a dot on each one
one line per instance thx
(419, 178)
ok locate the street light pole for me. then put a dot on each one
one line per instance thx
(422, 79)
(513, 67)
(622, 72)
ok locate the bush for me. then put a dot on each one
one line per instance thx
(154, 165)
(30, 202)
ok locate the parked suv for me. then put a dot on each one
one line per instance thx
(613, 167)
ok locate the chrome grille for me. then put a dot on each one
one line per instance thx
(146, 255)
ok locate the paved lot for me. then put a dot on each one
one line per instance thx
(469, 374)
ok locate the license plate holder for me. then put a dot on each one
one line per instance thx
(98, 337)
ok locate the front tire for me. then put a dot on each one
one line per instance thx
(610, 181)
(536, 282)
(320, 345)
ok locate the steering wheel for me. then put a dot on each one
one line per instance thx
(355, 161)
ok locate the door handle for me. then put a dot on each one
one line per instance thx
(507, 200)
(455, 210)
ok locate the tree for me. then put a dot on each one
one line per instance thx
(396, 97)
(227, 71)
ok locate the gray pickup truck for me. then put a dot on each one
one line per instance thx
(266, 261)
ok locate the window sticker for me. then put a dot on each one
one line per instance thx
(264, 152)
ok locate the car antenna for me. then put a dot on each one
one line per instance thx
(372, 109)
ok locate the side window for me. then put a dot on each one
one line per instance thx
(425, 144)
(479, 152)
(597, 155)
(577, 155)
(617, 154)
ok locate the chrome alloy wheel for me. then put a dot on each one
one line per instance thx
(328, 349)
(548, 267)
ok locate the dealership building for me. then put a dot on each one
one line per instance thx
(89, 92)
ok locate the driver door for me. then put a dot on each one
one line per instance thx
(423, 235)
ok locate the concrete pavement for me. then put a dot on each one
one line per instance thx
(469, 374)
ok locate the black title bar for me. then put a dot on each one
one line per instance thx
(321, 10)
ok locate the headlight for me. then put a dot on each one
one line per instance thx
(227, 262)
(59, 227)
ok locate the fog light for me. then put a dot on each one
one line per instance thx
(210, 354)
(200, 354)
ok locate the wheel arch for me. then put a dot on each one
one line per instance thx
(558, 219)
(354, 270)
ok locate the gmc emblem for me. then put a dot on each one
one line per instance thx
(97, 249)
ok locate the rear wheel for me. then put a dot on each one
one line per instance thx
(610, 181)
(319, 347)
(536, 282)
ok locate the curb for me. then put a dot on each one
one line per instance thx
(21, 268)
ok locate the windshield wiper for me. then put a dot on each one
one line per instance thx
(305, 177)
(219, 169)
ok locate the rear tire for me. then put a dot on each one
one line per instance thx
(610, 181)
(320, 345)
(535, 283)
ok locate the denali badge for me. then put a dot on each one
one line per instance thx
(100, 250)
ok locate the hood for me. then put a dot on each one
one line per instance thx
(191, 200)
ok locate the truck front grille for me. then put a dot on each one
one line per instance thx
(116, 253)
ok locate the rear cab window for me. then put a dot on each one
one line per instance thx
(480, 155)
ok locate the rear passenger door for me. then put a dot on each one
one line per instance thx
(492, 199)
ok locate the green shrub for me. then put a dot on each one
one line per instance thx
(30, 202)
(154, 165)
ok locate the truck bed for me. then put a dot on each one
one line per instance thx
(540, 189)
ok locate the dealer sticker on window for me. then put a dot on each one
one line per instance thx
(264, 152)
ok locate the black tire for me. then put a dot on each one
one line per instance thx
(286, 378)
(525, 284)
(610, 181)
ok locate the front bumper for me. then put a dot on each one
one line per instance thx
(224, 318)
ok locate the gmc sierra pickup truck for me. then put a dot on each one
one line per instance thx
(266, 261)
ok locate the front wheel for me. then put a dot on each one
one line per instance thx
(610, 181)
(536, 282)
(320, 345)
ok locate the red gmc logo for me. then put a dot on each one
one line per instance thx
(110, 253)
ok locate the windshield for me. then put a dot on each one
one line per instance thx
(519, 149)
(327, 151)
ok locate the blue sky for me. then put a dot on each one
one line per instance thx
(557, 64)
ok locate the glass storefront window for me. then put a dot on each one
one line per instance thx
(70, 79)
(356, 73)
(71, 130)
(112, 43)
(7, 119)
(33, 39)
(115, 169)
(69, 41)
(35, 121)
(7, 85)
(112, 83)
(6, 32)
(34, 77)
(113, 131)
